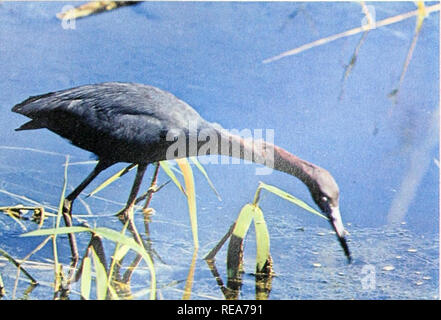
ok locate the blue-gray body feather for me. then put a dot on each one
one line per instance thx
(124, 122)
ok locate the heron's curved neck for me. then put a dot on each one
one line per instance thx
(266, 154)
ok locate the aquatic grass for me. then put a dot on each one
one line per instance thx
(190, 277)
(37, 207)
(168, 169)
(251, 212)
(189, 190)
(103, 283)
(92, 259)
(18, 265)
(286, 196)
(95, 252)
(86, 278)
(350, 66)
(262, 239)
(25, 259)
(235, 246)
(191, 197)
(422, 13)
(20, 268)
(57, 266)
(101, 276)
(354, 31)
(202, 170)
(17, 213)
(120, 238)
(9, 211)
(165, 165)
(243, 222)
(120, 252)
(113, 178)
(109, 234)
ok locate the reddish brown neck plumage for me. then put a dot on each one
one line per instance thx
(267, 154)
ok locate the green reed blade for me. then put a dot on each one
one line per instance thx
(167, 169)
(262, 239)
(100, 276)
(112, 179)
(187, 172)
(243, 221)
(290, 198)
(201, 169)
(86, 278)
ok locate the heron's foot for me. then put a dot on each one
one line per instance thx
(125, 214)
(67, 207)
(126, 218)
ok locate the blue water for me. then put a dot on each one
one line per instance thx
(383, 155)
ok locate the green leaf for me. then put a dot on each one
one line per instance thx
(290, 198)
(262, 239)
(101, 276)
(116, 176)
(55, 231)
(121, 252)
(63, 194)
(132, 244)
(166, 167)
(86, 278)
(57, 267)
(191, 197)
(243, 221)
(109, 234)
(201, 169)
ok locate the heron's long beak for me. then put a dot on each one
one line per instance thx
(337, 224)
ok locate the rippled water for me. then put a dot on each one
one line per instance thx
(389, 263)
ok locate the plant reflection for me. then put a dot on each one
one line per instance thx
(263, 282)
(235, 270)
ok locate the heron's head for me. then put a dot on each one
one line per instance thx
(325, 193)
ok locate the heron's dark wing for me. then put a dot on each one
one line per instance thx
(102, 106)
(102, 116)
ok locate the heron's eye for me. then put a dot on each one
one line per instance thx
(325, 199)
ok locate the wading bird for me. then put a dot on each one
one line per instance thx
(128, 122)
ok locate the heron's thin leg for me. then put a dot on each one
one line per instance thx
(125, 214)
(68, 201)
(152, 185)
(149, 194)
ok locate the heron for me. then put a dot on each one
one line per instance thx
(132, 123)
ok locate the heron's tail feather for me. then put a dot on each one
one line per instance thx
(27, 107)
(31, 125)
